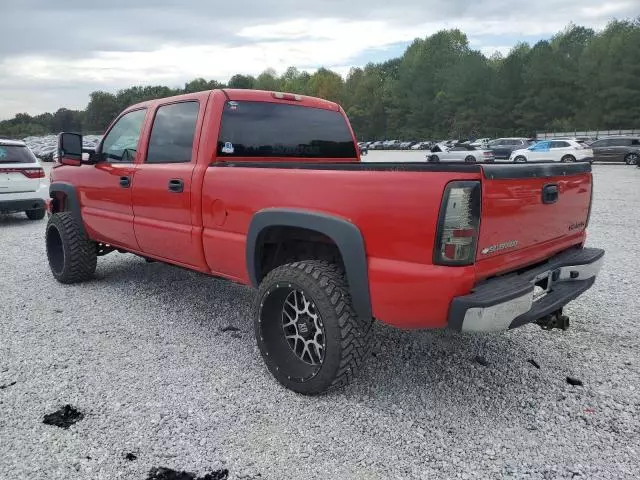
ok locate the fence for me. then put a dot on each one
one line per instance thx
(592, 133)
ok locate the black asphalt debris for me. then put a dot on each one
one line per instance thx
(131, 456)
(229, 328)
(534, 363)
(574, 381)
(162, 473)
(64, 417)
(482, 361)
(2, 387)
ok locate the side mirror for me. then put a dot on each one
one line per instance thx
(70, 149)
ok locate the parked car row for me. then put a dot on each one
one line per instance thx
(522, 149)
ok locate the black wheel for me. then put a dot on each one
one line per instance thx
(568, 159)
(520, 159)
(308, 333)
(35, 214)
(72, 257)
(434, 158)
(632, 159)
(470, 159)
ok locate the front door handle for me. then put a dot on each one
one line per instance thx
(125, 182)
(176, 185)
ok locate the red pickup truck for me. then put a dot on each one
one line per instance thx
(267, 189)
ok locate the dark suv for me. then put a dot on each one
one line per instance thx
(617, 149)
(502, 147)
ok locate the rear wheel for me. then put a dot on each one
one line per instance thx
(470, 159)
(568, 159)
(632, 159)
(35, 214)
(72, 256)
(308, 333)
(520, 159)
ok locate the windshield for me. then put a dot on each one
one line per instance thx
(16, 154)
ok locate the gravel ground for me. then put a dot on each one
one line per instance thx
(143, 353)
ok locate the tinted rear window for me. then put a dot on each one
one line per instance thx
(16, 154)
(261, 129)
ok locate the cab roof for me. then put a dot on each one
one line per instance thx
(239, 94)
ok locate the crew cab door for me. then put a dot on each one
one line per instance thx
(105, 188)
(162, 193)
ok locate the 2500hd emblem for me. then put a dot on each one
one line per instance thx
(499, 247)
(576, 226)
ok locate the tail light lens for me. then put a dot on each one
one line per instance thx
(27, 172)
(33, 172)
(458, 224)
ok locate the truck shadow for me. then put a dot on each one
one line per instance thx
(419, 372)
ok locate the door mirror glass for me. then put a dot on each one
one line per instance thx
(70, 149)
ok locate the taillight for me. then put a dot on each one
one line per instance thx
(27, 172)
(33, 172)
(458, 224)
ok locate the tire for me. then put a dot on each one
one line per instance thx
(632, 159)
(35, 214)
(434, 158)
(321, 288)
(520, 159)
(568, 159)
(470, 159)
(72, 256)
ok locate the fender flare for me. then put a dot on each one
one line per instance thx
(72, 202)
(345, 234)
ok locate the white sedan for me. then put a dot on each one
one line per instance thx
(459, 153)
(553, 151)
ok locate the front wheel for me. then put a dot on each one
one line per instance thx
(307, 331)
(632, 159)
(72, 256)
(434, 158)
(568, 159)
(520, 159)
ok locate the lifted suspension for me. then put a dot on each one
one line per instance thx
(554, 320)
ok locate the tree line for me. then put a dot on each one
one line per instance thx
(440, 87)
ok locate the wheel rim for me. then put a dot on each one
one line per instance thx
(632, 159)
(303, 328)
(55, 251)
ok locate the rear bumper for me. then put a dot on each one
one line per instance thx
(19, 202)
(508, 302)
(21, 205)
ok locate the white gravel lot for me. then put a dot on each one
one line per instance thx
(141, 352)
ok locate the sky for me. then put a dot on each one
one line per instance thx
(54, 53)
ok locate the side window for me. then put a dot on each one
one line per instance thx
(559, 144)
(172, 133)
(622, 142)
(635, 142)
(121, 143)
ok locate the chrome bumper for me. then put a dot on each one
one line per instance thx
(513, 300)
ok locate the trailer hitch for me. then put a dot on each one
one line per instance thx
(554, 320)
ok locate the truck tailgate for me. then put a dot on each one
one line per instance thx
(529, 212)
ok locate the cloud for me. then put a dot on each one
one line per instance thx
(56, 53)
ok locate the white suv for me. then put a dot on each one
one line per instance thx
(23, 186)
(553, 151)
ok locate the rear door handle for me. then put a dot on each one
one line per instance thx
(176, 185)
(125, 182)
(550, 193)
